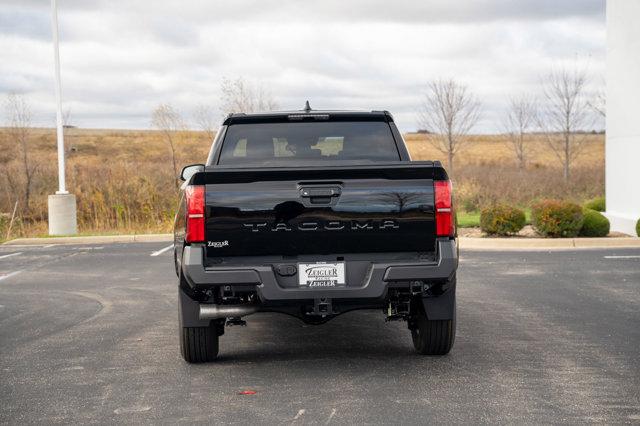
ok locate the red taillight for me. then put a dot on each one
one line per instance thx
(194, 198)
(445, 226)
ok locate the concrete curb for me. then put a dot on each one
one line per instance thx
(95, 239)
(466, 243)
(471, 243)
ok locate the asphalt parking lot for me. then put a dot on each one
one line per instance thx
(88, 334)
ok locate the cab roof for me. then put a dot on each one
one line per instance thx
(307, 114)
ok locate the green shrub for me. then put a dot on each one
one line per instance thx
(501, 220)
(554, 218)
(597, 204)
(638, 228)
(594, 224)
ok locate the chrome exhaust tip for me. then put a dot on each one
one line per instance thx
(212, 311)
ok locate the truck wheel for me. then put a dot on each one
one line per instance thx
(199, 344)
(433, 337)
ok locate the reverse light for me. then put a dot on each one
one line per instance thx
(445, 225)
(194, 198)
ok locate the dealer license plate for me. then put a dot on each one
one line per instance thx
(321, 274)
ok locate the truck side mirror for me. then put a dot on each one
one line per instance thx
(190, 170)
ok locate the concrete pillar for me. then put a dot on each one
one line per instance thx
(62, 214)
(623, 109)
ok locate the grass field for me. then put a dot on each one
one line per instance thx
(125, 183)
(468, 219)
(485, 171)
(494, 149)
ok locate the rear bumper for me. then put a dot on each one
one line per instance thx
(379, 278)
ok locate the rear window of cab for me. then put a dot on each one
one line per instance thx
(299, 143)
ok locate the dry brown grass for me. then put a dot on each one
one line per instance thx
(124, 180)
(482, 149)
(486, 171)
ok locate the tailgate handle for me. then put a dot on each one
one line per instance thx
(319, 192)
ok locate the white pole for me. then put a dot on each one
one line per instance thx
(63, 217)
(54, 28)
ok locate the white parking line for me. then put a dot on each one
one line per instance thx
(333, 413)
(9, 255)
(159, 252)
(622, 257)
(28, 245)
(9, 275)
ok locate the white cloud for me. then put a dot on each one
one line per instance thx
(120, 59)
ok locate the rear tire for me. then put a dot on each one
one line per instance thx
(432, 337)
(199, 344)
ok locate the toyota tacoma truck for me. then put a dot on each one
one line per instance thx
(314, 214)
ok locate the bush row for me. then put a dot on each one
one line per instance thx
(550, 218)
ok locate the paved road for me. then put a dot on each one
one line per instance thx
(88, 334)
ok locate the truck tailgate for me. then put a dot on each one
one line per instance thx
(320, 210)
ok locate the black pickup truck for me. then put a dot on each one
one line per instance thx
(314, 214)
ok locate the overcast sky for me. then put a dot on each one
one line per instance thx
(122, 58)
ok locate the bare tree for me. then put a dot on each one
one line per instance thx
(168, 120)
(449, 111)
(19, 132)
(520, 120)
(13, 187)
(564, 114)
(206, 120)
(240, 96)
(599, 103)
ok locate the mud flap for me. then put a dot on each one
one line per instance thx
(189, 311)
(442, 307)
